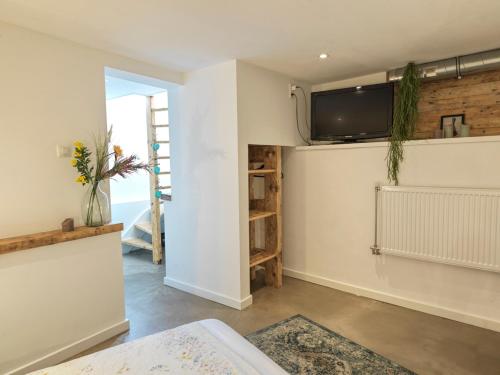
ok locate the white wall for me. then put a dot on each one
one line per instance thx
(201, 221)
(54, 296)
(129, 196)
(266, 115)
(127, 115)
(219, 111)
(329, 225)
(127, 213)
(52, 93)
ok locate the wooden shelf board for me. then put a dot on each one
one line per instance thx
(259, 256)
(261, 171)
(30, 241)
(255, 214)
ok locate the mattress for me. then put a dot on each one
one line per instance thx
(203, 347)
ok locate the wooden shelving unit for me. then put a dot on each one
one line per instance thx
(264, 181)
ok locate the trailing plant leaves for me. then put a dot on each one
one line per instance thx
(404, 121)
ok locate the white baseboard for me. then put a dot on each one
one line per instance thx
(246, 302)
(208, 294)
(72, 349)
(443, 312)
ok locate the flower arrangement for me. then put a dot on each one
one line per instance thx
(93, 168)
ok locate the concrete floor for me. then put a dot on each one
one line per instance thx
(423, 343)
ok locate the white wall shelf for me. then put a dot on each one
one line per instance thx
(418, 142)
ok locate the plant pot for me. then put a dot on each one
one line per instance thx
(95, 207)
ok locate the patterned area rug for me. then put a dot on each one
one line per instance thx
(301, 346)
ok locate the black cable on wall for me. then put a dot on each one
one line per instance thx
(305, 139)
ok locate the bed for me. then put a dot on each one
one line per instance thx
(202, 347)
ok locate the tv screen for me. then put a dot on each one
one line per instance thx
(354, 113)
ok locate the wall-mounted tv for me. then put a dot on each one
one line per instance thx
(354, 113)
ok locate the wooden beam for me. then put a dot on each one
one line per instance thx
(31, 241)
(153, 183)
(270, 271)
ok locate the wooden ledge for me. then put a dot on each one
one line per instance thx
(30, 241)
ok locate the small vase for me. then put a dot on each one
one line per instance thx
(95, 206)
(464, 130)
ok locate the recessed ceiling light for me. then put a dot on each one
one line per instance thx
(323, 56)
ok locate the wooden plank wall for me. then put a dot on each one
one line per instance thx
(476, 95)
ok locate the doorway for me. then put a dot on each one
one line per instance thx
(137, 113)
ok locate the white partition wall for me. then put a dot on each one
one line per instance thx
(219, 111)
(201, 222)
(59, 300)
(328, 215)
(266, 116)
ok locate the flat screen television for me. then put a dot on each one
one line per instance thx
(354, 113)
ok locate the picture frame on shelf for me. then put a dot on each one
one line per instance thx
(455, 120)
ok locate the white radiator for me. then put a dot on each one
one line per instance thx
(445, 225)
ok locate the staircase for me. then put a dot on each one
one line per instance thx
(138, 243)
(140, 236)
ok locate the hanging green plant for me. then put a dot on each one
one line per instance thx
(404, 121)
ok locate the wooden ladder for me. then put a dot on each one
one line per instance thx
(158, 193)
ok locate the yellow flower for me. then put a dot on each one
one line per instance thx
(76, 154)
(78, 145)
(73, 162)
(118, 150)
(82, 180)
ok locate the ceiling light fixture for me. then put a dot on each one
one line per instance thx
(323, 56)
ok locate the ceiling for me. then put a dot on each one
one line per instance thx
(361, 37)
(117, 87)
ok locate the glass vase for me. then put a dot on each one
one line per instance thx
(96, 210)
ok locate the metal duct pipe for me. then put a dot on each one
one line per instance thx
(453, 67)
(481, 61)
(432, 70)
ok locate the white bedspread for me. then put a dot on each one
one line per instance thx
(204, 347)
